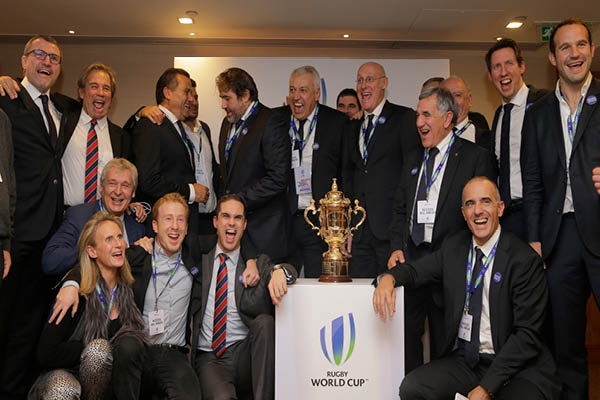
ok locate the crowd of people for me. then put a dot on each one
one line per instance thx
(169, 263)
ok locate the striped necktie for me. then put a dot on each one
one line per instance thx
(220, 314)
(91, 164)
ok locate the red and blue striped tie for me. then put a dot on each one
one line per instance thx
(220, 315)
(91, 164)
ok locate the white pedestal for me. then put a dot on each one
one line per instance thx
(330, 343)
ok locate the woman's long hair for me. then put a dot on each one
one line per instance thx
(95, 316)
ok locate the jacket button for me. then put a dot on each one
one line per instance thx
(55, 181)
(558, 211)
(365, 171)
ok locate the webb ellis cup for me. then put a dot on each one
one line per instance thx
(335, 214)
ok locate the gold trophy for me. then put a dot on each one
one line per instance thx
(334, 216)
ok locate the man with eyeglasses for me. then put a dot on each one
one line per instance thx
(35, 114)
(376, 146)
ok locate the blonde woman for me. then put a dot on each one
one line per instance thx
(94, 354)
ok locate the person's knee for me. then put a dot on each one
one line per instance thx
(409, 389)
(97, 352)
(129, 348)
(58, 384)
(263, 323)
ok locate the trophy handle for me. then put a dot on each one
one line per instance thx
(355, 211)
(314, 211)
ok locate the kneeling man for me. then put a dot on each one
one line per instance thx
(495, 295)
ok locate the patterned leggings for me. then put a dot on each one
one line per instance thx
(94, 377)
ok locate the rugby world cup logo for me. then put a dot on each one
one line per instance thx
(338, 339)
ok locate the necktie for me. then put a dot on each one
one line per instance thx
(504, 179)
(186, 141)
(472, 347)
(301, 133)
(366, 137)
(91, 164)
(51, 127)
(418, 230)
(220, 314)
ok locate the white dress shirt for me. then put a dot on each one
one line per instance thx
(236, 330)
(35, 96)
(73, 160)
(376, 113)
(434, 190)
(469, 133)
(565, 112)
(486, 344)
(171, 117)
(307, 154)
(203, 160)
(517, 115)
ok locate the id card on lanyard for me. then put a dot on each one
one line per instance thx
(157, 317)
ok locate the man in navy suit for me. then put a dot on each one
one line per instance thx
(118, 182)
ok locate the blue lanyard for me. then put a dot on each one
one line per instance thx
(488, 261)
(367, 139)
(108, 309)
(297, 137)
(572, 122)
(438, 169)
(172, 274)
(464, 128)
(231, 139)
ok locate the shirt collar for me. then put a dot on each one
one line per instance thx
(85, 119)
(584, 88)
(461, 124)
(32, 90)
(443, 144)
(520, 98)
(377, 111)
(160, 254)
(168, 114)
(489, 245)
(234, 255)
(247, 113)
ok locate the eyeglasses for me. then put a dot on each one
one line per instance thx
(368, 80)
(41, 55)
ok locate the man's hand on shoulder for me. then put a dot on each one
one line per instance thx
(396, 257)
(479, 393)
(153, 113)
(67, 296)
(8, 86)
(7, 263)
(146, 243)
(596, 178)
(250, 276)
(278, 286)
(384, 297)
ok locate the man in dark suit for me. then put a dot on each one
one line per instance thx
(254, 161)
(427, 209)
(118, 182)
(315, 133)
(376, 146)
(8, 194)
(493, 318)
(465, 128)
(163, 153)
(88, 137)
(561, 144)
(35, 116)
(505, 67)
(233, 339)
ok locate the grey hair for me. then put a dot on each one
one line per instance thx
(121, 164)
(445, 101)
(308, 69)
(460, 79)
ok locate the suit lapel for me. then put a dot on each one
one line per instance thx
(240, 141)
(174, 130)
(459, 281)
(34, 110)
(68, 123)
(380, 129)
(498, 270)
(320, 132)
(207, 271)
(414, 163)
(448, 179)
(239, 287)
(144, 282)
(586, 112)
(557, 131)
(115, 139)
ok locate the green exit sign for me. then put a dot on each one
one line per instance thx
(546, 32)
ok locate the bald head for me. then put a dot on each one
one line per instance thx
(371, 83)
(461, 93)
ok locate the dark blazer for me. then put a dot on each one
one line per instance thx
(8, 191)
(250, 301)
(38, 169)
(517, 306)
(485, 138)
(479, 120)
(544, 170)
(373, 184)
(162, 159)
(327, 151)
(215, 166)
(120, 140)
(60, 253)
(257, 170)
(533, 96)
(465, 161)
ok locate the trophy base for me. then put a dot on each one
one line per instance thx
(332, 271)
(334, 278)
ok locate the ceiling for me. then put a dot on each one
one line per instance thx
(449, 21)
